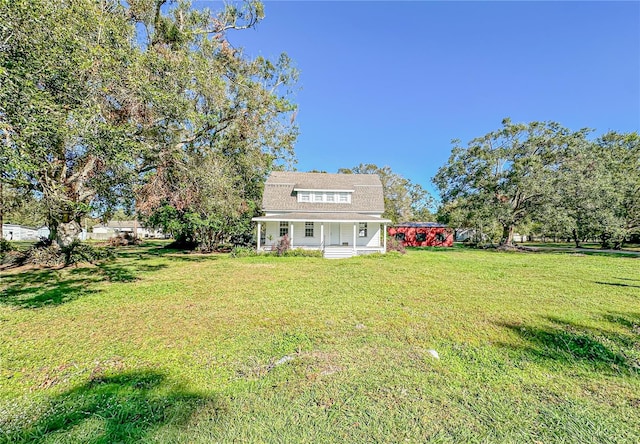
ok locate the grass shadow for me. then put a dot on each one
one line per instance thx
(148, 250)
(124, 408)
(196, 257)
(616, 284)
(627, 321)
(40, 288)
(119, 272)
(621, 254)
(613, 349)
(50, 287)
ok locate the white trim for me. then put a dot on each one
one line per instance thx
(284, 218)
(291, 235)
(259, 227)
(384, 237)
(322, 190)
(355, 237)
(327, 210)
(324, 197)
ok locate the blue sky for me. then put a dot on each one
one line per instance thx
(392, 83)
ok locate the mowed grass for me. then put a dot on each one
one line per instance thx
(628, 247)
(159, 347)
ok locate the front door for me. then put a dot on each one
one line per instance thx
(334, 238)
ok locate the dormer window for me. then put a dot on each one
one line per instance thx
(328, 196)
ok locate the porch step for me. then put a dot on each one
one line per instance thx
(338, 252)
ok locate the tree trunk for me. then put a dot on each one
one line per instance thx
(605, 241)
(507, 235)
(576, 239)
(67, 232)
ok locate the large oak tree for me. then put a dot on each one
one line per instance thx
(104, 101)
(505, 176)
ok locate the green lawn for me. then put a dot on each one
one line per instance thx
(571, 245)
(160, 347)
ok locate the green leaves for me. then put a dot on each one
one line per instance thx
(104, 99)
(503, 177)
(403, 200)
(63, 100)
(544, 173)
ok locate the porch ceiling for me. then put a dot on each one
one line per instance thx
(322, 217)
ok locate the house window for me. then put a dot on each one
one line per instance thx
(362, 229)
(321, 196)
(284, 228)
(324, 196)
(441, 237)
(400, 237)
(308, 229)
(421, 237)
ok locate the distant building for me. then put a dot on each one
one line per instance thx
(15, 232)
(121, 227)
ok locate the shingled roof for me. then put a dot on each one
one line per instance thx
(279, 194)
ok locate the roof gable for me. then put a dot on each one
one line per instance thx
(280, 192)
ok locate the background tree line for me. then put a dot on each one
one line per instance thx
(544, 179)
(146, 107)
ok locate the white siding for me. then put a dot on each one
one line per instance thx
(19, 233)
(372, 240)
(346, 234)
(299, 238)
(373, 236)
(271, 229)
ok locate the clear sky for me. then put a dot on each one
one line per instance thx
(392, 83)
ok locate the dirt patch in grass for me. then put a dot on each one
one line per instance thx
(319, 364)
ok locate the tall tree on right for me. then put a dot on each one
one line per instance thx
(623, 151)
(506, 175)
(597, 191)
(585, 197)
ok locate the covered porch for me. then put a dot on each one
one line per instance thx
(337, 235)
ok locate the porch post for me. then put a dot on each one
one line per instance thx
(291, 235)
(384, 236)
(259, 230)
(355, 233)
(322, 235)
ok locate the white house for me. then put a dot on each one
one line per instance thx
(121, 227)
(14, 232)
(43, 232)
(340, 214)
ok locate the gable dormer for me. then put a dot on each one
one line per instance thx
(323, 196)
